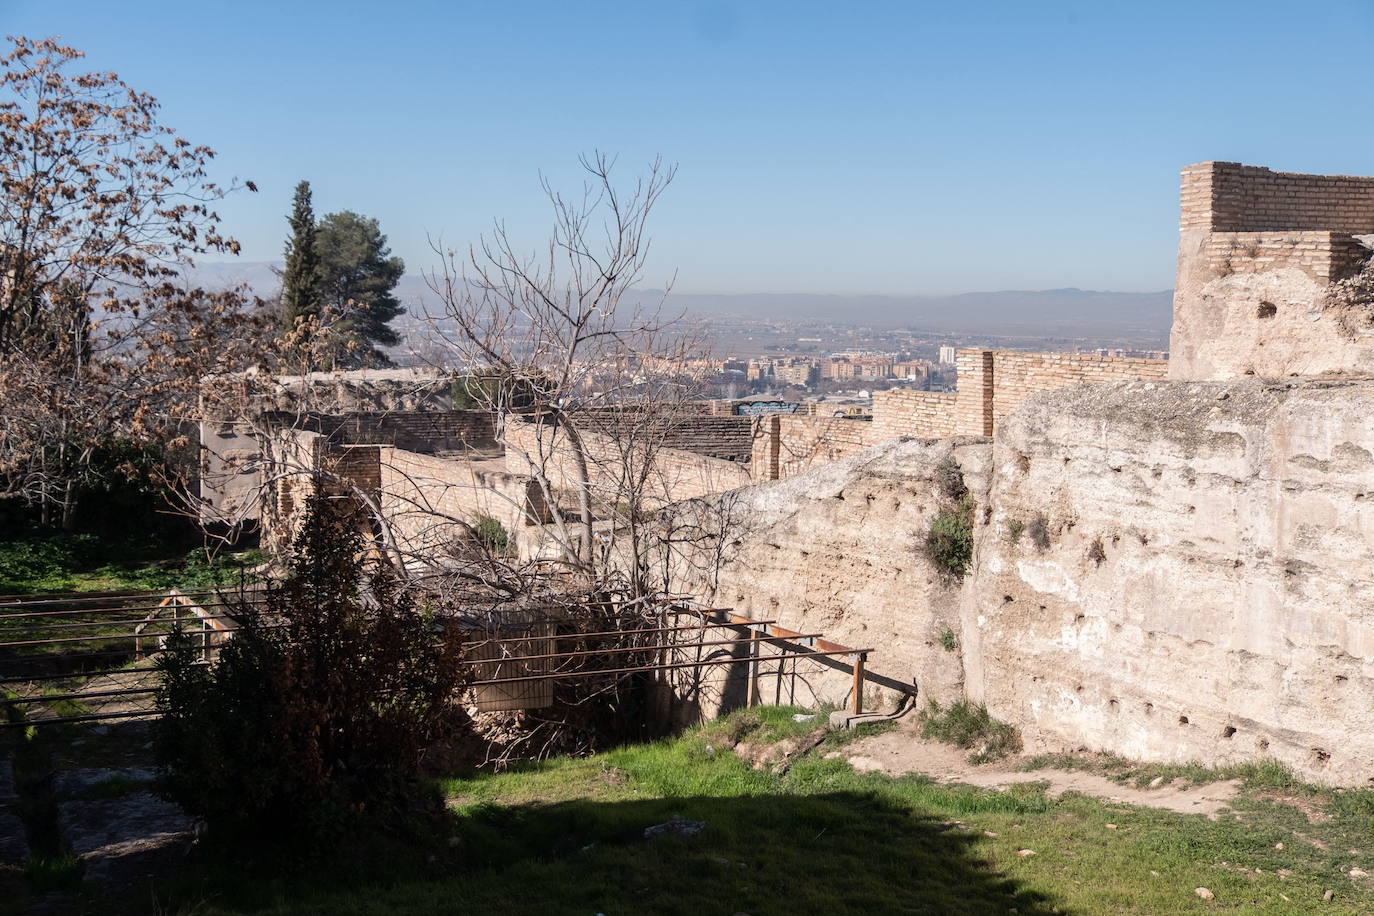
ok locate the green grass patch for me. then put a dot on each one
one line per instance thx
(65, 562)
(53, 873)
(970, 727)
(567, 837)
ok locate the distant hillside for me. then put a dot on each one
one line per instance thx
(1051, 312)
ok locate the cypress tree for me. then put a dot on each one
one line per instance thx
(300, 278)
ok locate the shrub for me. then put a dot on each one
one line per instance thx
(1039, 532)
(948, 641)
(949, 544)
(1097, 553)
(313, 721)
(491, 534)
(1014, 529)
(970, 727)
(950, 479)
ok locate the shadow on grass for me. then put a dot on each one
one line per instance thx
(841, 852)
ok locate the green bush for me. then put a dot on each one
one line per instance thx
(311, 724)
(949, 543)
(491, 534)
(970, 727)
(948, 641)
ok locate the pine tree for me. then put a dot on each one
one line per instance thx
(357, 279)
(300, 278)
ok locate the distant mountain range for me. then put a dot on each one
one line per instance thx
(1053, 312)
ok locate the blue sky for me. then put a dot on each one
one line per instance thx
(861, 147)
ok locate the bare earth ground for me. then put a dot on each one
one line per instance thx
(903, 750)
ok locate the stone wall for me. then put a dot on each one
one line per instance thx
(1258, 252)
(991, 385)
(1178, 572)
(535, 447)
(427, 500)
(1017, 375)
(788, 444)
(838, 550)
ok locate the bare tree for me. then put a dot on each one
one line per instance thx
(101, 209)
(587, 379)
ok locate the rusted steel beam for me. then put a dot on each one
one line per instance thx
(609, 651)
(564, 675)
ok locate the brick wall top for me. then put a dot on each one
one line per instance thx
(1231, 197)
(728, 437)
(424, 431)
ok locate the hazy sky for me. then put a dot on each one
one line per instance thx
(842, 147)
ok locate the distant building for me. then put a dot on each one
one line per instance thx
(797, 373)
(947, 355)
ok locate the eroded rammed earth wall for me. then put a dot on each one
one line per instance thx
(1204, 586)
(839, 550)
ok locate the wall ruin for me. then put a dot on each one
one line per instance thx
(1258, 252)
(1201, 583)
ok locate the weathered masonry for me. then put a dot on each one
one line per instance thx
(1258, 252)
(991, 385)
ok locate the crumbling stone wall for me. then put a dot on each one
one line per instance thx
(1258, 252)
(1180, 572)
(427, 500)
(538, 448)
(837, 550)
(991, 385)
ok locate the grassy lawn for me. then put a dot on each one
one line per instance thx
(62, 562)
(567, 837)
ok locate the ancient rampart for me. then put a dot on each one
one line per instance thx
(539, 448)
(1258, 252)
(991, 385)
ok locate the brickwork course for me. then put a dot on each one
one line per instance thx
(1259, 252)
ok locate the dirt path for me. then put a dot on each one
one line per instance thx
(903, 750)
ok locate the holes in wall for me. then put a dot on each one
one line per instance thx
(1022, 463)
(1341, 679)
(1149, 709)
(1228, 732)
(1320, 757)
(1182, 720)
(1007, 599)
(1266, 310)
(1079, 618)
(1262, 744)
(1113, 706)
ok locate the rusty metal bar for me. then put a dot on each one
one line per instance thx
(123, 610)
(108, 672)
(78, 598)
(564, 675)
(93, 717)
(91, 694)
(609, 651)
(92, 624)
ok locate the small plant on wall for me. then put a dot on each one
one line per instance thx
(949, 542)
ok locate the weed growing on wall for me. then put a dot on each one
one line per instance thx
(1039, 532)
(948, 641)
(949, 542)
